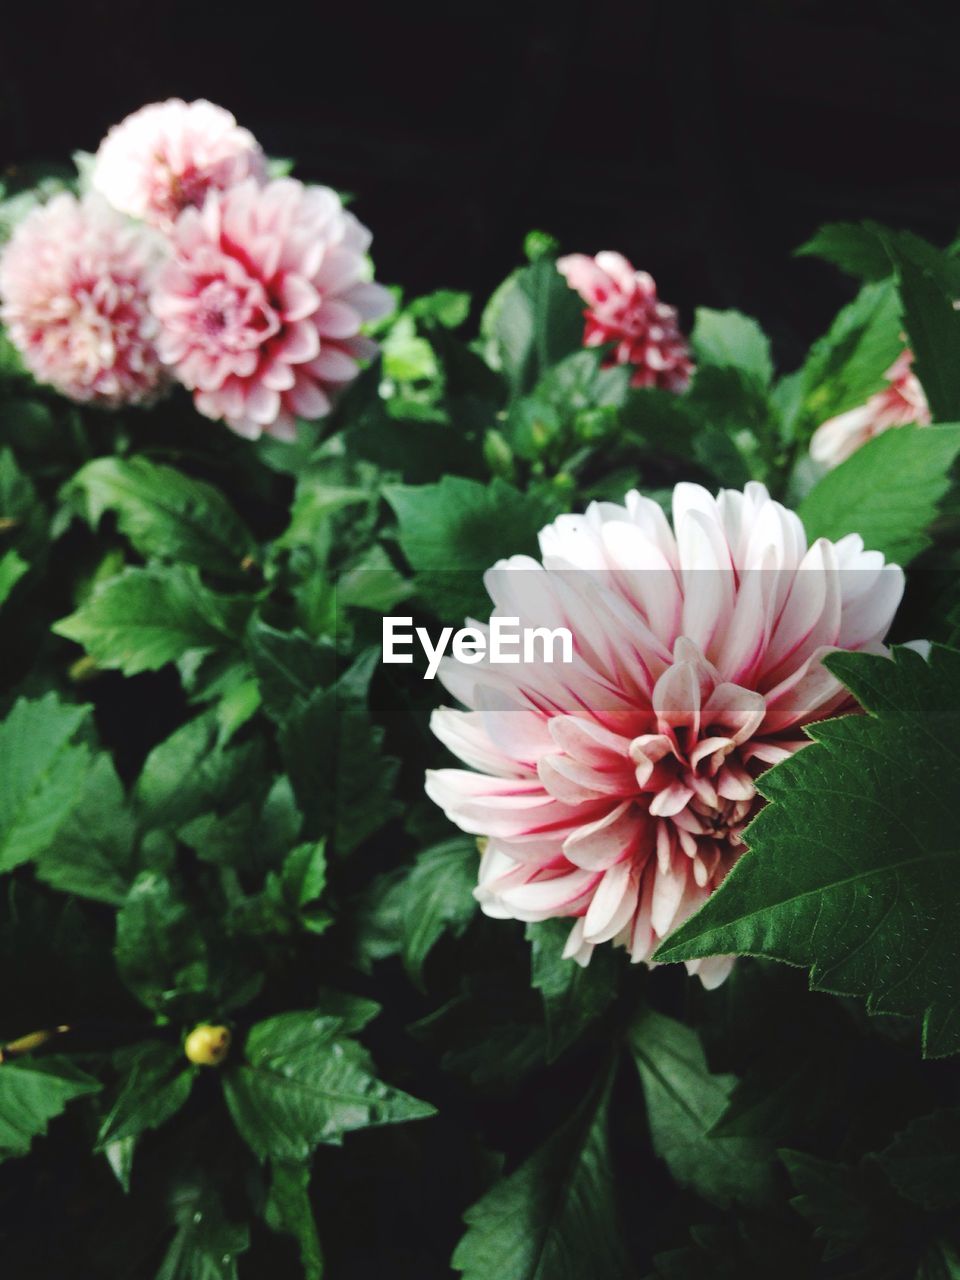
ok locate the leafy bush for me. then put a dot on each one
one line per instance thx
(236, 933)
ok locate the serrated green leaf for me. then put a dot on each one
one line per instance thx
(555, 1217)
(852, 867)
(855, 247)
(437, 896)
(189, 774)
(731, 340)
(288, 1210)
(289, 666)
(166, 515)
(453, 531)
(94, 854)
(923, 1162)
(532, 321)
(847, 365)
(155, 1084)
(333, 754)
(888, 491)
(573, 996)
(32, 1093)
(303, 1083)
(42, 775)
(160, 952)
(684, 1101)
(836, 1199)
(144, 618)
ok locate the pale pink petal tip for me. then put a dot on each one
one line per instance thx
(900, 403)
(623, 309)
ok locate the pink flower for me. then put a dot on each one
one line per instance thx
(168, 155)
(614, 789)
(75, 281)
(622, 307)
(900, 403)
(262, 303)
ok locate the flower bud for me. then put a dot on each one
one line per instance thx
(207, 1046)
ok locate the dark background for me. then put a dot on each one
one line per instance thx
(703, 140)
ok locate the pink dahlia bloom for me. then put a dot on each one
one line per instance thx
(901, 402)
(166, 157)
(623, 308)
(614, 790)
(75, 281)
(262, 303)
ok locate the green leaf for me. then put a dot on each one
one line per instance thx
(156, 1083)
(453, 531)
(288, 1211)
(555, 1217)
(836, 1199)
(923, 1163)
(684, 1102)
(333, 754)
(581, 382)
(289, 666)
(189, 774)
(161, 954)
(303, 1082)
(42, 775)
(940, 1261)
(929, 283)
(437, 896)
(145, 618)
(852, 867)
(165, 514)
(888, 491)
(206, 1244)
(94, 854)
(373, 583)
(32, 1093)
(855, 247)
(532, 321)
(12, 569)
(730, 340)
(445, 307)
(288, 901)
(847, 365)
(23, 518)
(572, 996)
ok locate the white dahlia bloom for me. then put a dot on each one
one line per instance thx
(614, 790)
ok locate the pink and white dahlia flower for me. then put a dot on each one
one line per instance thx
(75, 281)
(898, 404)
(623, 308)
(262, 303)
(614, 789)
(165, 158)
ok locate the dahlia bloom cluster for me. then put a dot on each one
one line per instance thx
(75, 282)
(623, 309)
(615, 790)
(901, 402)
(256, 307)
